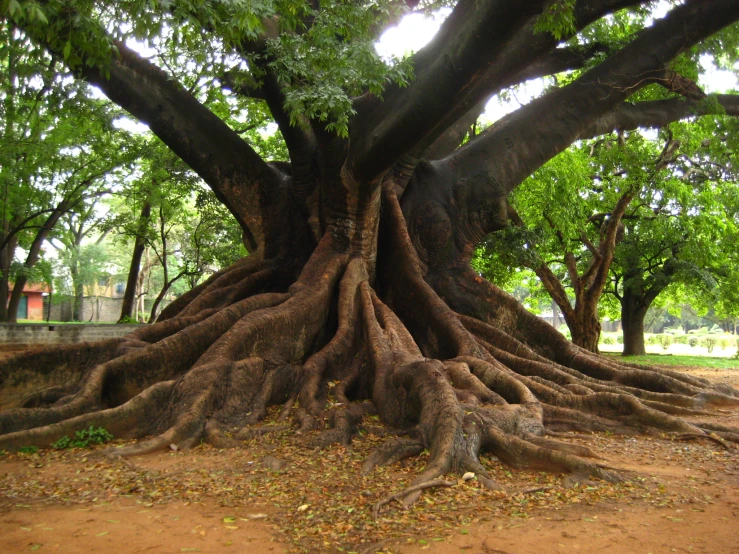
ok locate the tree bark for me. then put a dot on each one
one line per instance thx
(586, 332)
(633, 310)
(129, 295)
(6, 258)
(33, 256)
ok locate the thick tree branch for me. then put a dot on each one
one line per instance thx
(674, 82)
(528, 54)
(595, 280)
(237, 175)
(560, 59)
(242, 181)
(658, 113)
(512, 149)
(457, 56)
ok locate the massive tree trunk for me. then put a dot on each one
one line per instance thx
(358, 296)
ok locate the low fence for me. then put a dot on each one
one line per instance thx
(28, 335)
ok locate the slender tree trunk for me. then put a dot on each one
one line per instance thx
(556, 322)
(79, 293)
(6, 257)
(34, 252)
(159, 298)
(129, 296)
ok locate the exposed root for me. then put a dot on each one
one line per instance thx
(410, 491)
(709, 437)
(392, 451)
(338, 345)
(128, 420)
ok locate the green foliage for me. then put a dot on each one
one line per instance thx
(693, 341)
(128, 320)
(28, 449)
(664, 341)
(84, 439)
(322, 56)
(558, 18)
(709, 343)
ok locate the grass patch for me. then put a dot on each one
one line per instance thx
(670, 359)
(52, 322)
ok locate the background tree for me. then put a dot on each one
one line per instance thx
(683, 229)
(358, 273)
(58, 148)
(84, 260)
(574, 206)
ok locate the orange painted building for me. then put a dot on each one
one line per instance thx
(32, 302)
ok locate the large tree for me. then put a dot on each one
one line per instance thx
(357, 295)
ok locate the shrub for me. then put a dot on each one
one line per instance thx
(709, 342)
(619, 339)
(723, 342)
(651, 339)
(680, 339)
(28, 449)
(665, 341)
(84, 438)
(693, 342)
(609, 340)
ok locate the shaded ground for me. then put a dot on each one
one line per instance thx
(277, 496)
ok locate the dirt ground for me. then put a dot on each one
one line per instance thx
(278, 494)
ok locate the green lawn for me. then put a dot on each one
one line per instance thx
(52, 322)
(669, 359)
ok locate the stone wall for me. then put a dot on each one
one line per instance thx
(40, 335)
(95, 309)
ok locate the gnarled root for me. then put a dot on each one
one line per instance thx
(336, 346)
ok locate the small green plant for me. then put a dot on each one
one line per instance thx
(693, 342)
(609, 340)
(619, 339)
(664, 341)
(28, 449)
(127, 320)
(84, 438)
(709, 342)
